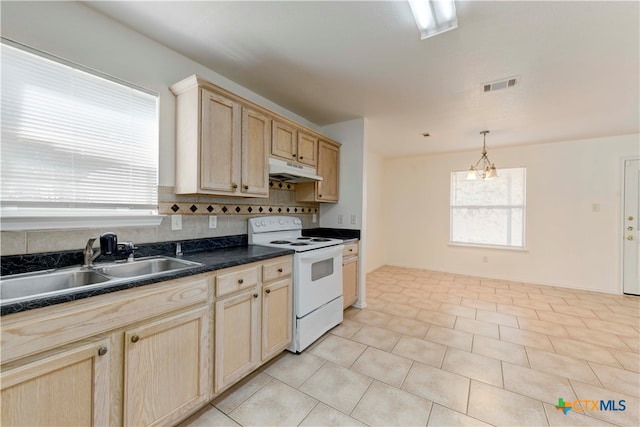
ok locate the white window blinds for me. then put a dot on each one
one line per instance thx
(73, 140)
(489, 212)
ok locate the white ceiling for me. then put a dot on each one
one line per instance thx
(579, 65)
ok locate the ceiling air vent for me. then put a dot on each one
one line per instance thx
(501, 84)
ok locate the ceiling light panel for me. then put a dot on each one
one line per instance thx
(434, 16)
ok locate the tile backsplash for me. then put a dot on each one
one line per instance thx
(195, 223)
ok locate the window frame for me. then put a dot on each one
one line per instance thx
(45, 216)
(522, 206)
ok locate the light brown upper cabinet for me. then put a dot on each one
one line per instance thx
(221, 145)
(284, 141)
(328, 168)
(307, 149)
(293, 145)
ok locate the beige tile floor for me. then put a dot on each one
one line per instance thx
(443, 349)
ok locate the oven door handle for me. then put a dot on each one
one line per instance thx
(320, 254)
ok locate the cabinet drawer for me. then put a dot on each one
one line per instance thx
(236, 280)
(276, 270)
(350, 249)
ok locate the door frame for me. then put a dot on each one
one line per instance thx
(620, 220)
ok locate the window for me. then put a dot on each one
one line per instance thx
(74, 143)
(489, 212)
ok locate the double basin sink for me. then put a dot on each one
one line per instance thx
(23, 287)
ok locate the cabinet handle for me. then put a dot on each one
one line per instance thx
(293, 155)
(350, 250)
(246, 187)
(240, 281)
(102, 351)
(256, 295)
(301, 157)
(234, 186)
(319, 195)
(268, 291)
(135, 338)
(279, 270)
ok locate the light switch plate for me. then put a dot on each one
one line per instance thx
(314, 218)
(213, 221)
(353, 219)
(340, 218)
(176, 222)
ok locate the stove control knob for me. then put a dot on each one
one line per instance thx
(257, 224)
(281, 222)
(263, 223)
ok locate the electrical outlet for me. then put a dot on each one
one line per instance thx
(353, 219)
(176, 222)
(340, 217)
(314, 218)
(595, 207)
(213, 221)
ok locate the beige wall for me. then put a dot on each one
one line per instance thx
(567, 243)
(375, 230)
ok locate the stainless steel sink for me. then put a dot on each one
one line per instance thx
(30, 284)
(23, 287)
(145, 267)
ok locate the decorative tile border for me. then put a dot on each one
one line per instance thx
(197, 208)
(281, 201)
(277, 185)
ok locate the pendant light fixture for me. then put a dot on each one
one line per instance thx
(488, 169)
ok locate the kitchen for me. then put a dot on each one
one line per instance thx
(394, 215)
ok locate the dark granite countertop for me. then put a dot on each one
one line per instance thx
(214, 258)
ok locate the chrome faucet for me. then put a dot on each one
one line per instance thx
(89, 254)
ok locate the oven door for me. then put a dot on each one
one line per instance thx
(317, 278)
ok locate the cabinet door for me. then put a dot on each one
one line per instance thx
(276, 318)
(284, 141)
(350, 281)
(255, 146)
(237, 337)
(307, 149)
(70, 388)
(220, 144)
(328, 166)
(166, 369)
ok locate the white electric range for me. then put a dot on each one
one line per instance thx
(317, 275)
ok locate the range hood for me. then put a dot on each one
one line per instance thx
(281, 170)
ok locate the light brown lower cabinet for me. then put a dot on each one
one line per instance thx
(145, 356)
(68, 388)
(350, 274)
(237, 337)
(277, 316)
(166, 369)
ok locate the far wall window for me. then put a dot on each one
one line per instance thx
(489, 212)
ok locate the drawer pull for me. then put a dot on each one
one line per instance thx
(246, 187)
(135, 338)
(256, 295)
(268, 291)
(301, 157)
(280, 270)
(102, 351)
(240, 281)
(234, 186)
(351, 250)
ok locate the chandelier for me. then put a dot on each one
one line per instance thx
(488, 169)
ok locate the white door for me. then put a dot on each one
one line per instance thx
(631, 223)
